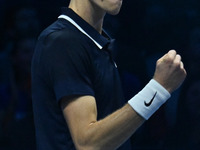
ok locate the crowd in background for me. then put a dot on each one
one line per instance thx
(143, 31)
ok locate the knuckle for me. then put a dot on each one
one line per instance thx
(178, 56)
(169, 59)
(177, 64)
(172, 52)
(158, 61)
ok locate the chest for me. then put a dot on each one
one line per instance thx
(106, 83)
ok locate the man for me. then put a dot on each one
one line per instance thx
(77, 98)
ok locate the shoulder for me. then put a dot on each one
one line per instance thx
(66, 40)
(62, 39)
(61, 31)
(65, 35)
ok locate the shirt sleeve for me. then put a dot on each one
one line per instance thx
(68, 65)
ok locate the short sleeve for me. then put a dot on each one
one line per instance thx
(68, 65)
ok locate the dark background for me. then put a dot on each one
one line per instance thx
(144, 31)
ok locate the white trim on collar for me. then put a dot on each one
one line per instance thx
(79, 28)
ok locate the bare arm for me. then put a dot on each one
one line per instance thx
(109, 133)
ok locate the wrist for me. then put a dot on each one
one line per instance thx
(167, 87)
(149, 99)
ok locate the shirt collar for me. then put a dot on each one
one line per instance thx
(85, 28)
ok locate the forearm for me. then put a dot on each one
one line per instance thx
(110, 132)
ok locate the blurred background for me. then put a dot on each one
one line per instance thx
(144, 31)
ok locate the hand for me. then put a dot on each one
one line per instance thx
(170, 72)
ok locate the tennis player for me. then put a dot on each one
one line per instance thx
(77, 94)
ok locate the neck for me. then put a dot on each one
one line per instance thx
(87, 11)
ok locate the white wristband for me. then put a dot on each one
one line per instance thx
(149, 99)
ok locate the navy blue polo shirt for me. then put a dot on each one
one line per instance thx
(71, 58)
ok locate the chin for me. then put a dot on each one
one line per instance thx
(115, 9)
(113, 12)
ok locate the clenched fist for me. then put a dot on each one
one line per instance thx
(170, 71)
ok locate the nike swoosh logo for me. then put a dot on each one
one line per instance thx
(149, 103)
